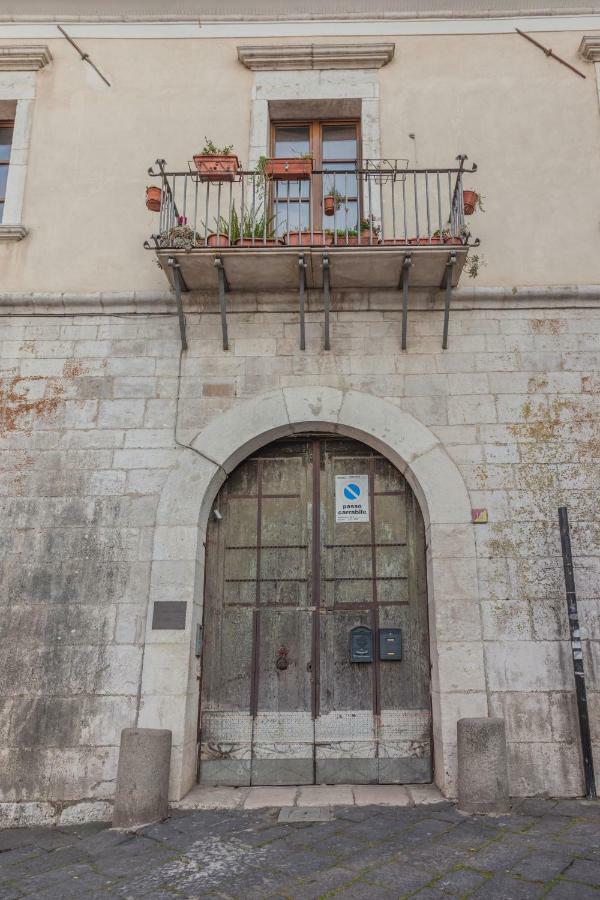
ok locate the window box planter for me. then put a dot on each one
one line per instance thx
(289, 169)
(217, 166)
(320, 238)
(258, 242)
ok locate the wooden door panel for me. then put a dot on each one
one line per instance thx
(282, 748)
(284, 581)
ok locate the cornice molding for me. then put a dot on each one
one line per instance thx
(12, 233)
(276, 57)
(583, 296)
(589, 47)
(24, 59)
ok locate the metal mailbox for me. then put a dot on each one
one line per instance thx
(390, 644)
(361, 644)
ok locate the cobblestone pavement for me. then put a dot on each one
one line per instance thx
(543, 849)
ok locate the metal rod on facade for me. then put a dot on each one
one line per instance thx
(577, 652)
(550, 52)
(85, 57)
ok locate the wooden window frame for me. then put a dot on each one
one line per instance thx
(315, 140)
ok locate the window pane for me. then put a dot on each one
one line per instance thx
(292, 140)
(345, 217)
(3, 180)
(291, 189)
(345, 183)
(6, 133)
(294, 217)
(1, 210)
(339, 142)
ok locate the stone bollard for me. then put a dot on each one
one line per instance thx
(482, 766)
(142, 794)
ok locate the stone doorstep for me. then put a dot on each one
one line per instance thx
(314, 795)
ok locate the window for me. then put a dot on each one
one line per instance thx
(6, 136)
(334, 147)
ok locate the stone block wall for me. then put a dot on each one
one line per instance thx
(88, 411)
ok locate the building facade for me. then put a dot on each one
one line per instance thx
(295, 498)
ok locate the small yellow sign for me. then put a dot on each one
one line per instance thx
(479, 516)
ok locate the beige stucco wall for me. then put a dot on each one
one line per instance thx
(532, 126)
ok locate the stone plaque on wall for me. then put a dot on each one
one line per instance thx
(169, 614)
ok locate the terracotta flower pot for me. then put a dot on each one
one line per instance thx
(329, 206)
(216, 167)
(217, 240)
(369, 237)
(153, 198)
(289, 169)
(469, 202)
(343, 241)
(257, 242)
(425, 242)
(452, 240)
(305, 238)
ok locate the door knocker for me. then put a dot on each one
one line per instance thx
(282, 661)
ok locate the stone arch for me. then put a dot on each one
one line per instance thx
(169, 687)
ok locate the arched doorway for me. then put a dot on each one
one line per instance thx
(315, 663)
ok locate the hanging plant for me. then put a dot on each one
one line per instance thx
(153, 198)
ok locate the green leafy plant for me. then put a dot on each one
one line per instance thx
(211, 149)
(341, 233)
(369, 224)
(474, 263)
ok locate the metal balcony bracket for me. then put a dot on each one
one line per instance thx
(404, 276)
(302, 291)
(223, 286)
(447, 286)
(179, 286)
(326, 301)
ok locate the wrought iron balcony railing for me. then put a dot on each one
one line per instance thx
(381, 203)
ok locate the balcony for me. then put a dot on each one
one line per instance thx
(380, 226)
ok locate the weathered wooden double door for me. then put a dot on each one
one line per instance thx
(315, 654)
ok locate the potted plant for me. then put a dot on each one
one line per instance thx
(332, 202)
(305, 237)
(369, 230)
(153, 198)
(292, 168)
(471, 201)
(216, 163)
(180, 237)
(347, 238)
(255, 230)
